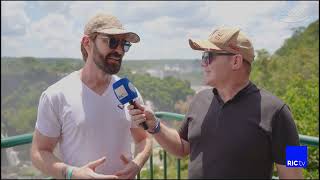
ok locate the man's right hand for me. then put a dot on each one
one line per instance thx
(88, 171)
(142, 114)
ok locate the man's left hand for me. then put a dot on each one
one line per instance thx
(130, 170)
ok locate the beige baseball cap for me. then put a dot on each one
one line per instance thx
(226, 39)
(108, 24)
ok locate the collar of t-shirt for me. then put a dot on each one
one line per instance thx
(250, 88)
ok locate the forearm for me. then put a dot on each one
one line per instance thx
(142, 151)
(294, 175)
(289, 173)
(170, 140)
(49, 164)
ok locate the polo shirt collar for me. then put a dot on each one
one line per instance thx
(250, 88)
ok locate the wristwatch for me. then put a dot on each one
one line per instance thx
(156, 129)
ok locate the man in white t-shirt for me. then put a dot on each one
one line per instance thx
(81, 113)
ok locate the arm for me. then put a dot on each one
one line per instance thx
(289, 173)
(43, 158)
(284, 133)
(143, 145)
(42, 146)
(168, 138)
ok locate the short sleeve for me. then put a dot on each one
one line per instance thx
(47, 120)
(284, 133)
(183, 130)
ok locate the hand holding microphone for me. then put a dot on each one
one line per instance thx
(126, 92)
(143, 114)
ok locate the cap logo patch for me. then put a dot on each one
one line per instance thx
(218, 36)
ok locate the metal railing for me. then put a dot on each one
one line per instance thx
(27, 138)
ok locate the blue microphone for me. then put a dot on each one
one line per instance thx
(126, 92)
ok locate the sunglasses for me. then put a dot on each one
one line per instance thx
(114, 43)
(208, 56)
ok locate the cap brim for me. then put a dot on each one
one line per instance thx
(131, 36)
(203, 45)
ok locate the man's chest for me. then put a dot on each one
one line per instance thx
(228, 133)
(90, 115)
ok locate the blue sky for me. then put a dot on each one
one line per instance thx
(54, 29)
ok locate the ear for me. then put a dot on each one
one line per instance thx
(237, 61)
(85, 41)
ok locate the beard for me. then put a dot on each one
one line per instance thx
(105, 63)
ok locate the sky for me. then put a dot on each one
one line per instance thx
(55, 29)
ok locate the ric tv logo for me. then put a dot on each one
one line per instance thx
(297, 156)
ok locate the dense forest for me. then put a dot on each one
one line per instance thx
(291, 73)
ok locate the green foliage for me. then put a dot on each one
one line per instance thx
(292, 74)
(158, 170)
(23, 80)
(164, 93)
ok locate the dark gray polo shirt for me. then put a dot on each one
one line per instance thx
(241, 138)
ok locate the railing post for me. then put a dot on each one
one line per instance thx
(151, 165)
(178, 169)
(164, 164)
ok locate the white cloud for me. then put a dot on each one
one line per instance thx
(56, 35)
(141, 11)
(55, 29)
(163, 26)
(13, 18)
(81, 11)
(299, 12)
(54, 6)
(53, 26)
(271, 31)
(242, 14)
(269, 35)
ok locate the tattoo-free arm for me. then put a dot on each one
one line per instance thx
(289, 173)
(43, 158)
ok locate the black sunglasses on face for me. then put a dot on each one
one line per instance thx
(114, 43)
(208, 56)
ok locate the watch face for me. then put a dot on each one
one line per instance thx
(131, 87)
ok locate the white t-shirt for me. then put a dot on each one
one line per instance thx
(90, 126)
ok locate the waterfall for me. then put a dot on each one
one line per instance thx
(12, 155)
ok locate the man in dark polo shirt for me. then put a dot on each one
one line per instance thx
(235, 129)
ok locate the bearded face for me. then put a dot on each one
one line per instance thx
(109, 63)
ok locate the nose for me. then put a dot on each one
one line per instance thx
(203, 64)
(119, 49)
